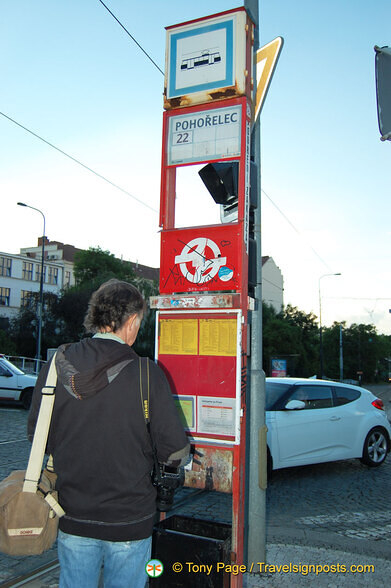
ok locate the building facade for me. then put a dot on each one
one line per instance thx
(20, 278)
(272, 284)
(20, 274)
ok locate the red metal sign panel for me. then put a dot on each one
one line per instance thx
(201, 259)
(199, 351)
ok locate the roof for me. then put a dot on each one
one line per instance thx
(144, 271)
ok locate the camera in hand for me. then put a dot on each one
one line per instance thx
(167, 480)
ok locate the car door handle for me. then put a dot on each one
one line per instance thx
(335, 418)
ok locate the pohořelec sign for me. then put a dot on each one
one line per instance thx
(206, 135)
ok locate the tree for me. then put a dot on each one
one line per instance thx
(145, 342)
(95, 266)
(331, 349)
(362, 350)
(71, 310)
(308, 333)
(7, 346)
(23, 327)
(290, 335)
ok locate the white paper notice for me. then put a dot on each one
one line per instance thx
(216, 416)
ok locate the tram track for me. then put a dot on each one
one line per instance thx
(32, 576)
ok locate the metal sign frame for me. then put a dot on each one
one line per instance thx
(182, 355)
(207, 59)
(213, 288)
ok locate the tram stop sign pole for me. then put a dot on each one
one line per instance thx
(210, 279)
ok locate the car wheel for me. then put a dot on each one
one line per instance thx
(376, 446)
(26, 398)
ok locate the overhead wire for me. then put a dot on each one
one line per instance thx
(77, 161)
(71, 156)
(296, 230)
(131, 36)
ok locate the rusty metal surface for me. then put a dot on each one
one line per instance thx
(196, 301)
(239, 89)
(211, 469)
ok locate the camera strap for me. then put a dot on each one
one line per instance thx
(144, 396)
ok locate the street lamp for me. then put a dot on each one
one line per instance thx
(320, 323)
(40, 303)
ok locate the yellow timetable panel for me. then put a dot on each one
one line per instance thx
(218, 337)
(178, 337)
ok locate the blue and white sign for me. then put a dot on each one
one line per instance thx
(201, 59)
(203, 136)
(205, 56)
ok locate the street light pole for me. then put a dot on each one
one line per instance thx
(320, 323)
(40, 303)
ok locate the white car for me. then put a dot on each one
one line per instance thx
(15, 384)
(314, 421)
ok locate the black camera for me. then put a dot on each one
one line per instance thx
(166, 480)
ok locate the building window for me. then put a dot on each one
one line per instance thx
(53, 275)
(5, 266)
(4, 296)
(38, 273)
(26, 298)
(67, 279)
(27, 273)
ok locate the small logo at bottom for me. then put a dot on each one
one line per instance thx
(154, 568)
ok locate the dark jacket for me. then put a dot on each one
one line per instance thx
(99, 441)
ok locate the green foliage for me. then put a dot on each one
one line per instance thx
(95, 266)
(71, 310)
(145, 342)
(294, 335)
(7, 346)
(364, 350)
(291, 335)
(23, 327)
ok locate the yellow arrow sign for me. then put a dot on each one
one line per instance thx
(266, 59)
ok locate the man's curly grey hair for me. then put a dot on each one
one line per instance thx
(111, 306)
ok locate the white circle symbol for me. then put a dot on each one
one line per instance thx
(205, 259)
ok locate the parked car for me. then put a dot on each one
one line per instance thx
(15, 384)
(314, 421)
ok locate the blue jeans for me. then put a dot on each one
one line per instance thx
(81, 559)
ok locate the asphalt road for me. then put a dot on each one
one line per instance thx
(343, 505)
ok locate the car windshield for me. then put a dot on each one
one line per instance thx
(12, 368)
(274, 391)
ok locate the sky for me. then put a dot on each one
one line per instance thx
(70, 74)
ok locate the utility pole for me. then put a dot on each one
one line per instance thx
(256, 429)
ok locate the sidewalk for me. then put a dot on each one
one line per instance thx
(279, 555)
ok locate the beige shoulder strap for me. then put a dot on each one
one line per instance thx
(34, 467)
